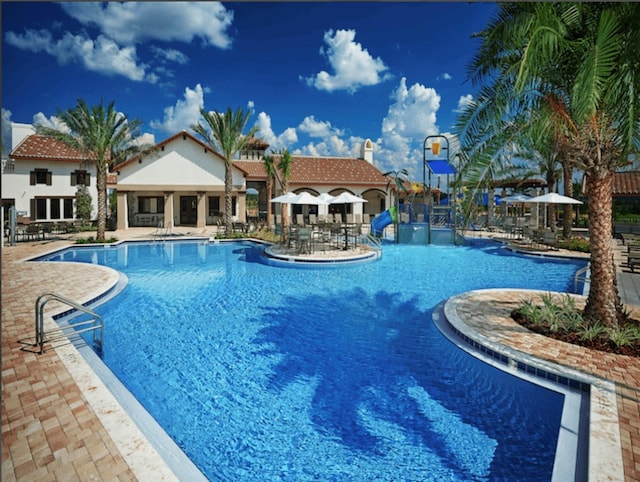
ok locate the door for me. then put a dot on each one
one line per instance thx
(188, 210)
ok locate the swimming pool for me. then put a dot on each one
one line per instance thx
(265, 373)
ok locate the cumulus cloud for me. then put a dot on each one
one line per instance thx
(464, 101)
(132, 22)
(444, 76)
(276, 142)
(410, 118)
(170, 55)
(182, 115)
(412, 114)
(353, 66)
(52, 122)
(315, 128)
(101, 55)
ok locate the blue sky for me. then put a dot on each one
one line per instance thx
(319, 78)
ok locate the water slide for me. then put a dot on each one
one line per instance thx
(382, 220)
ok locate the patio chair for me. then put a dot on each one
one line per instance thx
(304, 241)
(300, 219)
(550, 239)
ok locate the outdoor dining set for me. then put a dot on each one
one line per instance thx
(329, 231)
(322, 233)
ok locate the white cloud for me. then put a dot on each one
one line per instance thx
(145, 139)
(170, 55)
(315, 128)
(353, 66)
(131, 22)
(52, 122)
(444, 76)
(276, 142)
(463, 101)
(412, 115)
(101, 55)
(410, 118)
(182, 115)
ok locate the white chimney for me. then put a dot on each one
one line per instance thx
(367, 151)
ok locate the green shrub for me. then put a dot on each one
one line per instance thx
(575, 243)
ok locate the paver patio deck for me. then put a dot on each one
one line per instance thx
(60, 423)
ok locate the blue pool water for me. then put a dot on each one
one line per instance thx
(263, 373)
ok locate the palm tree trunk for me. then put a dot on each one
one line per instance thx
(269, 196)
(567, 175)
(101, 182)
(228, 208)
(603, 304)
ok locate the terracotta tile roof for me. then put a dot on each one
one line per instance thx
(41, 148)
(332, 171)
(626, 183)
(335, 170)
(254, 169)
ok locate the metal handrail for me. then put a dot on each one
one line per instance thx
(584, 275)
(96, 324)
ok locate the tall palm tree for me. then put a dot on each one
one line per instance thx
(270, 168)
(576, 65)
(285, 162)
(223, 133)
(105, 135)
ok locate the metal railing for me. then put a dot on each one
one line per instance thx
(43, 336)
(582, 275)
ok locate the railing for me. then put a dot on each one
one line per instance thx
(584, 275)
(161, 232)
(43, 336)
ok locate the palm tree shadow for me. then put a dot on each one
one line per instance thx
(346, 359)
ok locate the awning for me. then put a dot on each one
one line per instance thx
(440, 166)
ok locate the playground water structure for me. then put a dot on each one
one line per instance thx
(419, 224)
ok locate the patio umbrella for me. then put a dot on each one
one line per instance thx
(554, 198)
(285, 198)
(326, 197)
(347, 198)
(307, 198)
(517, 198)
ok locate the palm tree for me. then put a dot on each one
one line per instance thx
(223, 133)
(270, 168)
(576, 65)
(285, 162)
(105, 135)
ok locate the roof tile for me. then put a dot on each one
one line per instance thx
(42, 148)
(626, 183)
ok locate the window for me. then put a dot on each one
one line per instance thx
(80, 177)
(41, 208)
(67, 207)
(55, 208)
(40, 176)
(214, 206)
(150, 204)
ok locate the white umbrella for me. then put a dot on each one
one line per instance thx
(307, 198)
(517, 198)
(285, 198)
(554, 198)
(326, 197)
(347, 198)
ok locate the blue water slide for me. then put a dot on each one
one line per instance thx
(382, 220)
